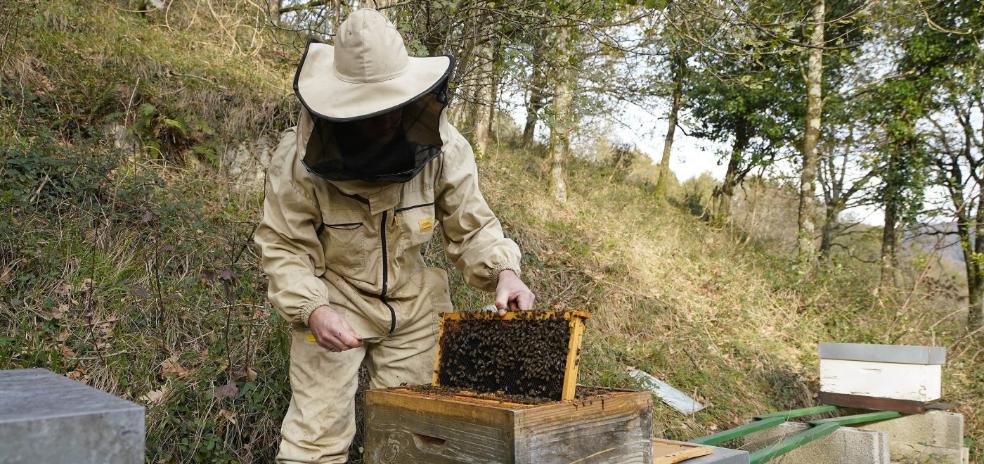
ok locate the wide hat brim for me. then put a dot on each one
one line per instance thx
(327, 96)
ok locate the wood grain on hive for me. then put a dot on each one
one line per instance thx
(672, 452)
(884, 377)
(404, 425)
(531, 353)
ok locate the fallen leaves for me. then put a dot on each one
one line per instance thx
(78, 374)
(170, 366)
(155, 396)
(228, 415)
(67, 352)
(59, 311)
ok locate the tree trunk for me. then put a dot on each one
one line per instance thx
(724, 192)
(808, 176)
(723, 195)
(561, 124)
(530, 127)
(679, 64)
(484, 96)
(974, 284)
(975, 287)
(831, 212)
(975, 304)
(559, 140)
(434, 40)
(891, 199)
(495, 77)
(464, 93)
(835, 197)
(481, 119)
(536, 100)
(888, 246)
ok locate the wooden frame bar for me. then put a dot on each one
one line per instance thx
(672, 452)
(870, 402)
(576, 335)
(576, 323)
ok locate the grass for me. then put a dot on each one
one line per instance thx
(131, 270)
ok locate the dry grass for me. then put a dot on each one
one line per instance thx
(717, 313)
(128, 271)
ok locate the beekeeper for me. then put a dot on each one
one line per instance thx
(367, 176)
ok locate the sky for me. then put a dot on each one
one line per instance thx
(690, 156)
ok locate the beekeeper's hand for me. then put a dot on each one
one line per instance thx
(512, 294)
(331, 331)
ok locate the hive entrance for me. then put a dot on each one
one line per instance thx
(531, 355)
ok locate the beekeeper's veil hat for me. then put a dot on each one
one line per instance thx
(368, 80)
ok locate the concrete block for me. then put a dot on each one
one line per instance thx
(935, 435)
(896, 354)
(722, 456)
(845, 446)
(47, 418)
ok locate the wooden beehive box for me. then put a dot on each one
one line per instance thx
(534, 354)
(892, 377)
(504, 391)
(412, 425)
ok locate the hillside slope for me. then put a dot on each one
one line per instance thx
(708, 310)
(126, 261)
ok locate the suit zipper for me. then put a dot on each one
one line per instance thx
(382, 294)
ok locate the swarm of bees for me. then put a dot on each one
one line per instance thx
(519, 357)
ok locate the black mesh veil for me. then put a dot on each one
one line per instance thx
(353, 150)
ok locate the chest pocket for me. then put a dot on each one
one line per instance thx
(343, 234)
(417, 223)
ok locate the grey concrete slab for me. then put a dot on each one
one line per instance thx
(899, 354)
(845, 446)
(721, 456)
(47, 418)
(936, 436)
